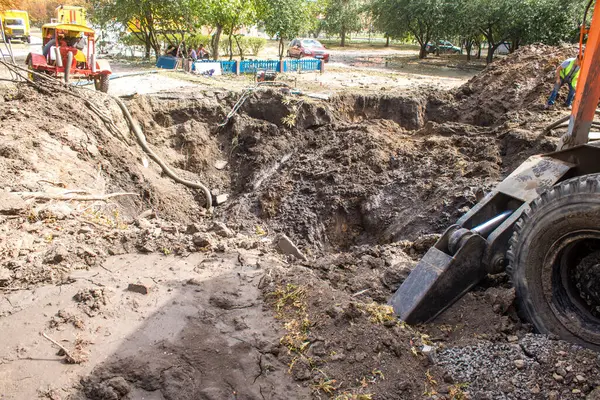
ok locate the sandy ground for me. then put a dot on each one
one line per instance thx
(125, 321)
(367, 69)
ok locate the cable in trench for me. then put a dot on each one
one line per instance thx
(47, 84)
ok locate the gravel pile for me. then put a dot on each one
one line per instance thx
(534, 367)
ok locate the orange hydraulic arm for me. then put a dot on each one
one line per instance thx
(588, 86)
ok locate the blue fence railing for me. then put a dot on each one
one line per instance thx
(251, 66)
(306, 64)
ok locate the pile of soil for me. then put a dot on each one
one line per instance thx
(521, 81)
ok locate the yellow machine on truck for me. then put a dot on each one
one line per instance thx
(15, 25)
(71, 15)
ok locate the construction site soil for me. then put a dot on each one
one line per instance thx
(213, 305)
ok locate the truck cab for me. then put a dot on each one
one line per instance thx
(15, 24)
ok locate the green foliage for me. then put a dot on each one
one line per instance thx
(227, 16)
(285, 19)
(343, 17)
(495, 21)
(196, 40)
(256, 44)
(148, 20)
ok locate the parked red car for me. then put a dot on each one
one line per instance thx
(307, 48)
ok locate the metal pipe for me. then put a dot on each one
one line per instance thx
(488, 227)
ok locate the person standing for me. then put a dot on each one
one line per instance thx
(566, 73)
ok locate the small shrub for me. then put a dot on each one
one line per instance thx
(256, 44)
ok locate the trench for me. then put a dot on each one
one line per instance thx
(355, 170)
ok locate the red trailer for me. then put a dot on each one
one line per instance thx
(69, 51)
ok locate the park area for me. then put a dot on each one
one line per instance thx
(191, 235)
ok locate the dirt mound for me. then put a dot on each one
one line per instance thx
(521, 81)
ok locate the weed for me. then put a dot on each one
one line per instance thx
(290, 120)
(325, 385)
(290, 306)
(380, 313)
(456, 391)
(166, 251)
(260, 231)
(32, 217)
(430, 385)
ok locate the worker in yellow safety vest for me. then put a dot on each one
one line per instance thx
(567, 72)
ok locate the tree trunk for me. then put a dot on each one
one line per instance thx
(148, 46)
(492, 47)
(423, 51)
(343, 35)
(479, 50)
(468, 48)
(230, 48)
(387, 41)
(214, 42)
(281, 47)
(237, 42)
(514, 45)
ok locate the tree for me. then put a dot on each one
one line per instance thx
(285, 19)
(227, 16)
(493, 19)
(148, 20)
(343, 17)
(422, 19)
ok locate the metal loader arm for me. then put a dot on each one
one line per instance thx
(588, 86)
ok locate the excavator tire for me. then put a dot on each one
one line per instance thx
(554, 261)
(101, 83)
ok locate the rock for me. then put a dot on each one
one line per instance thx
(220, 199)
(557, 377)
(286, 246)
(561, 371)
(520, 364)
(11, 204)
(56, 254)
(142, 288)
(57, 210)
(202, 240)
(146, 247)
(143, 223)
(512, 339)
(220, 164)
(192, 228)
(580, 378)
(222, 230)
(85, 229)
(553, 395)
(27, 242)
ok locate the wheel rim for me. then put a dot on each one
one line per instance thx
(569, 292)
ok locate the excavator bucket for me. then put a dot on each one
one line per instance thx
(477, 244)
